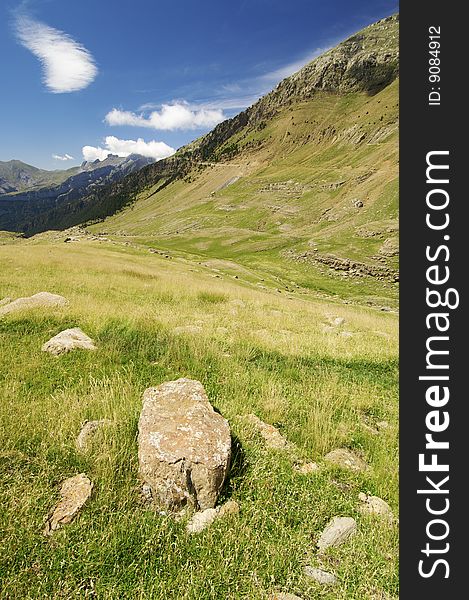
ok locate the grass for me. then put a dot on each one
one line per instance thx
(319, 175)
(258, 352)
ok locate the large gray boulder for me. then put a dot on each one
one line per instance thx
(184, 446)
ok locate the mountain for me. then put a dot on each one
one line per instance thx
(302, 185)
(26, 192)
(17, 176)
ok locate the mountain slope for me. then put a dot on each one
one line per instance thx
(21, 211)
(302, 186)
(17, 176)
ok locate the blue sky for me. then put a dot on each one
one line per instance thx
(84, 78)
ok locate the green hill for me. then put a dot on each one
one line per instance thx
(305, 182)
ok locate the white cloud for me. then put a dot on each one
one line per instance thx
(179, 115)
(67, 65)
(62, 157)
(113, 145)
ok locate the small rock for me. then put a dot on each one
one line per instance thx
(370, 429)
(347, 459)
(382, 425)
(69, 339)
(306, 468)
(338, 531)
(358, 203)
(320, 576)
(88, 431)
(373, 505)
(184, 446)
(74, 492)
(283, 596)
(338, 321)
(272, 436)
(187, 329)
(201, 520)
(39, 300)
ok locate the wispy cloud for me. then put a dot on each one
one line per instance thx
(113, 145)
(170, 117)
(67, 65)
(283, 71)
(62, 157)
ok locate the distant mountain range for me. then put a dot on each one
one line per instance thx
(26, 191)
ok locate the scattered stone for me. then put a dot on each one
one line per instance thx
(306, 468)
(88, 431)
(272, 436)
(74, 492)
(39, 300)
(345, 458)
(320, 576)
(201, 520)
(370, 429)
(338, 321)
(382, 425)
(187, 329)
(184, 446)
(231, 507)
(373, 505)
(69, 339)
(338, 531)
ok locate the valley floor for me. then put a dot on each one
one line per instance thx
(322, 371)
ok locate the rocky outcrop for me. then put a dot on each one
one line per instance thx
(184, 446)
(67, 340)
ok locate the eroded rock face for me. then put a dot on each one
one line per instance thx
(39, 300)
(67, 340)
(74, 492)
(184, 446)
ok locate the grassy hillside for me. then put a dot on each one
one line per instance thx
(233, 262)
(257, 351)
(301, 188)
(319, 179)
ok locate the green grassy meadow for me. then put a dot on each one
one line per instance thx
(258, 351)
